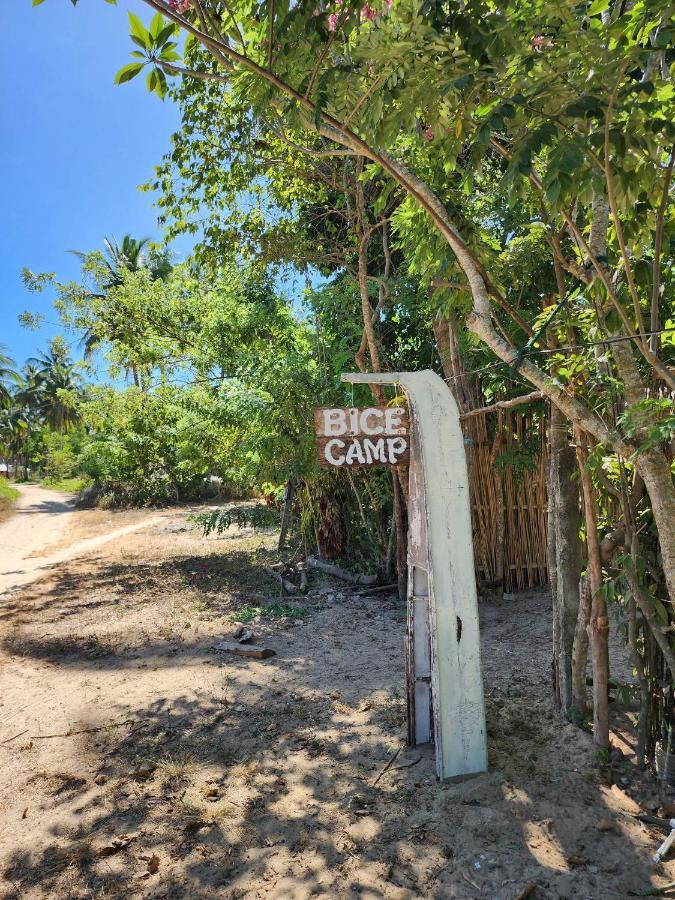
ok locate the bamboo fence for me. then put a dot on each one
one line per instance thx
(507, 460)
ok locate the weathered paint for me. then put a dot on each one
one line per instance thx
(369, 436)
(440, 546)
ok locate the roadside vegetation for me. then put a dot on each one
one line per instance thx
(8, 498)
(485, 191)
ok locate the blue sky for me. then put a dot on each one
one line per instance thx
(74, 148)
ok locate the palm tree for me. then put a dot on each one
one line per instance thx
(57, 386)
(132, 255)
(12, 431)
(29, 396)
(8, 374)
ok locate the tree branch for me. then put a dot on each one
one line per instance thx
(504, 404)
(611, 196)
(480, 320)
(654, 341)
(270, 38)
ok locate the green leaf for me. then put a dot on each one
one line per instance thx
(484, 135)
(598, 6)
(321, 98)
(169, 56)
(162, 86)
(553, 191)
(463, 81)
(138, 32)
(165, 34)
(661, 612)
(151, 80)
(126, 73)
(37, 2)
(156, 25)
(139, 42)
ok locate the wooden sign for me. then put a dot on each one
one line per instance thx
(370, 436)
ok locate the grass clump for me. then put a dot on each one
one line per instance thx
(68, 485)
(273, 611)
(176, 771)
(8, 497)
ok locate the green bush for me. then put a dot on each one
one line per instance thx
(8, 496)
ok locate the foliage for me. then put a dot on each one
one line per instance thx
(660, 428)
(272, 611)
(8, 496)
(41, 407)
(139, 448)
(220, 520)
(59, 458)
(515, 160)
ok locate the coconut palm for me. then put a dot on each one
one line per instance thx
(8, 375)
(56, 387)
(12, 430)
(131, 255)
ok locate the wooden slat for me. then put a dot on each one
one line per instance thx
(373, 451)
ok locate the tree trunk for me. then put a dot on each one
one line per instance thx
(580, 651)
(636, 659)
(652, 465)
(564, 557)
(286, 516)
(389, 567)
(442, 336)
(462, 386)
(654, 468)
(598, 627)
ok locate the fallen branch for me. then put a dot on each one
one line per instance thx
(654, 891)
(380, 589)
(7, 740)
(654, 820)
(407, 765)
(248, 650)
(44, 737)
(286, 585)
(338, 572)
(388, 764)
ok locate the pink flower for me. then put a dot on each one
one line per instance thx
(369, 13)
(428, 134)
(332, 21)
(389, 3)
(540, 42)
(181, 6)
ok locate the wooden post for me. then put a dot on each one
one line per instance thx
(442, 600)
(401, 567)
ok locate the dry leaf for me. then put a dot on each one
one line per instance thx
(117, 844)
(152, 866)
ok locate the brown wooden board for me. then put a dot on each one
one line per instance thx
(366, 436)
(367, 420)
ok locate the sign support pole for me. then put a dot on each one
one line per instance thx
(445, 685)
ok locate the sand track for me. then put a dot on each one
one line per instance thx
(38, 525)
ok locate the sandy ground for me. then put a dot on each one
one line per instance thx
(136, 761)
(43, 532)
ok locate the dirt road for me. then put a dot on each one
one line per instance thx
(31, 540)
(136, 762)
